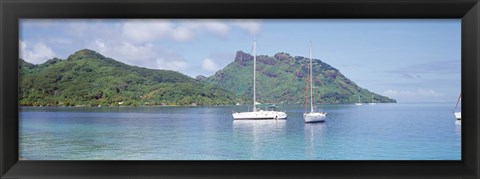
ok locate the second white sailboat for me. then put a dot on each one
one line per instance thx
(312, 116)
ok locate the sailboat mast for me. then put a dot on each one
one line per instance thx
(254, 72)
(459, 97)
(311, 80)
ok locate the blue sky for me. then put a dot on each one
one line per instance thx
(408, 60)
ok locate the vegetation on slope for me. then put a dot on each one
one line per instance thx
(282, 79)
(87, 78)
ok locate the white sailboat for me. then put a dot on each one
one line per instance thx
(373, 100)
(458, 115)
(312, 116)
(259, 114)
(358, 103)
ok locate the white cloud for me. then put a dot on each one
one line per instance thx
(40, 52)
(142, 31)
(252, 26)
(59, 41)
(133, 54)
(79, 28)
(200, 27)
(23, 47)
(144, 55)
(182, 34)
(149, 43)
(210, 65)
(214, 26)
(175, 65)
(100, 43)
(416, 95)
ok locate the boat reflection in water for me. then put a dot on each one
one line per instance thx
(261, 137)
(314, 138)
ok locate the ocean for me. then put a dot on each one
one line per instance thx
(402, 131)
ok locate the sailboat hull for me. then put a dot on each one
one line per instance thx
(259, 115)
(458, 115)
(314, 117)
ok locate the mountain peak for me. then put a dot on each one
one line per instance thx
(242, 57)
(22, 63)
(85, 53)
(282, 56)
(281, 78)
(200, 77)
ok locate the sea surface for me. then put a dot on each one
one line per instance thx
(409, 131)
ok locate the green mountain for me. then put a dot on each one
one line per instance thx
(88, 78)
(282, 79)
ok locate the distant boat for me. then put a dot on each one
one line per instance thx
(373, 101)
(458, 115)
(259, 114)
(358, 103)
(312, 116)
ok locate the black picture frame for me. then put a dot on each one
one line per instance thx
(13, 10)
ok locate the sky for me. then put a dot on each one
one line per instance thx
(414, 60)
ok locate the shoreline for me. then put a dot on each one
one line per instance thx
(84, 106)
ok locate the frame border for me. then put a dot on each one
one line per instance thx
(13, 10)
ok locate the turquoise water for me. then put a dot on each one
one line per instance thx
(416, 131)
